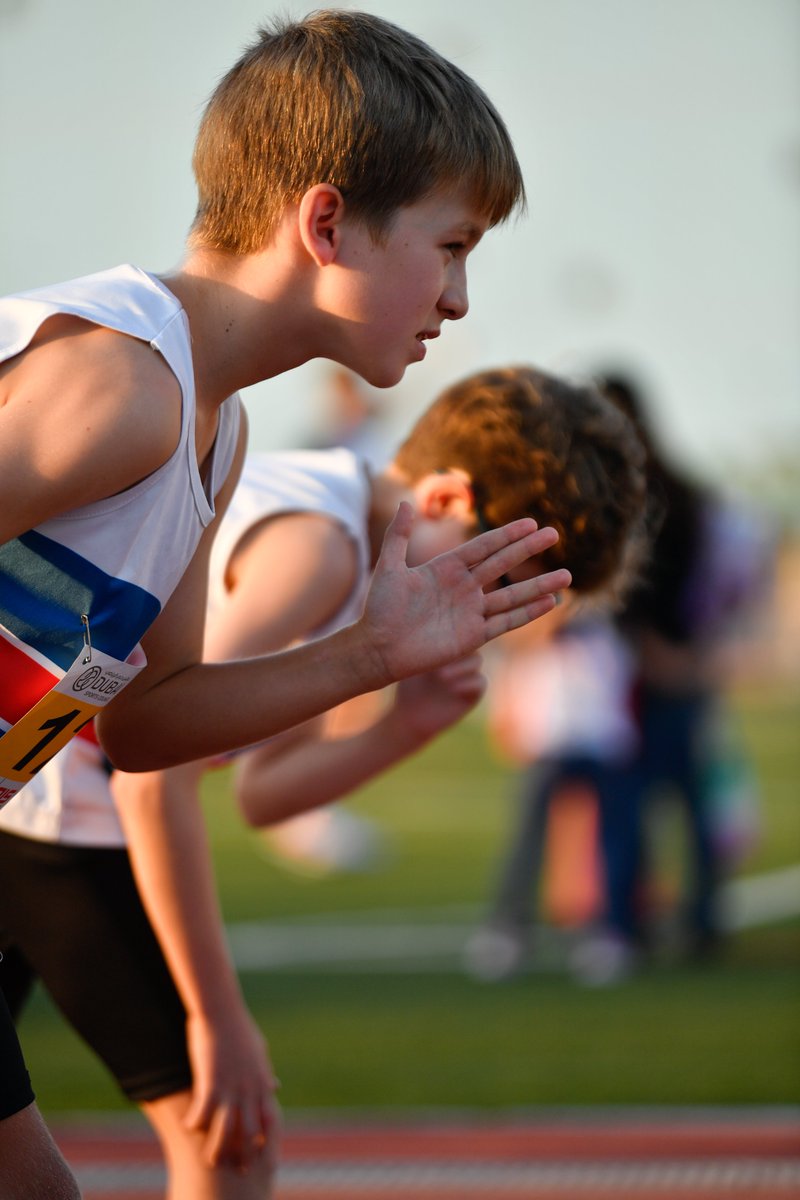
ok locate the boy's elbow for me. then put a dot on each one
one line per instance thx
(252, 819)
(251, 812)
(128, 749)
(133, 759)
(252, 796)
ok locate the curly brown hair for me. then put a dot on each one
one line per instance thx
(540, 446)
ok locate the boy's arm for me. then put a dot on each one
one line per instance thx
(289, 577)
(415, 619)
(313, 766)
(84, 414)
(291, 574)
(232, 1080)
(233, 1084)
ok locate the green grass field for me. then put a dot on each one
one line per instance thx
(725, 1034)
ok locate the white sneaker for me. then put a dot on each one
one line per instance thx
(494, 953)
(603, 959)
(326, 841)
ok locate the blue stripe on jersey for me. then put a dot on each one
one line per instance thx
(44, 588)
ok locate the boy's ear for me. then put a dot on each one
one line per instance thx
(445, 494)
(319, 218)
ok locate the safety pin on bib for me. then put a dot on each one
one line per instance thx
(87, 638)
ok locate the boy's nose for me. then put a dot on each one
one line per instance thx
(454, 305)
(454, 301)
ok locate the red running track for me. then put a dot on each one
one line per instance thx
(689, 1156)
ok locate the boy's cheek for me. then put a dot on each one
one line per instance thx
(430, 538)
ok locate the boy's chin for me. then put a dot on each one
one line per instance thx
(380, 374)
(384, 376)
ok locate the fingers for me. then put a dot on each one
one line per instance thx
(478, 549)
(515, 618)
(517, 595)
(239, 1131)
(511, 607)
(200, 1111)
(463, 678)
(395, 540)
(460, 668)
(224, 1142)
(238, 1135)
(271, 1128)
(469, 691)
(495, 561)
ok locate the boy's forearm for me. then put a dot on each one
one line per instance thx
(273, 788)
(414, 620)
(171, 860)
(209, 709)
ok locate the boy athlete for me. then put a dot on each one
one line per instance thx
(291, 561)
(345, 172)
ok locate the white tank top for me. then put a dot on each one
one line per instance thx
(331, 482)
(118, 560)
(69, 800)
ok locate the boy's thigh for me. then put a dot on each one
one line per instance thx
(75, 915)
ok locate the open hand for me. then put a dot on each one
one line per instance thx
(430, 703)
(419, 618)
(233, 1096)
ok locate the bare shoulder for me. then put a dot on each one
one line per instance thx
(87, 409)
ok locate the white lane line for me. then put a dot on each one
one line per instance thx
(743, 1177)
(433, 940)
(760, 899)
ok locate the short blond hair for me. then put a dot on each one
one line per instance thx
(349, 99)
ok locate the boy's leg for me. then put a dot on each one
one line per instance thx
(75, 914)
(612, 952)
(31, 1167)
(621, 792)
(522, 868)
(499, 948)
(121, 1000)
(189, 1176)
(689, 718)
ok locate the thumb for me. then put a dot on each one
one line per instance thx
(395, 540)
(198, 1114)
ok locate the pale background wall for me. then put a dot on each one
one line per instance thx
(661, 147)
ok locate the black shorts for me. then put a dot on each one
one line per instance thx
(72, 916)
(15, 1085)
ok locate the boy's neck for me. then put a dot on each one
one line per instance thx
(248, 316)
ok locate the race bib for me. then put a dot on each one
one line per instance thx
(89, 684)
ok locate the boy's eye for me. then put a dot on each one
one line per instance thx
(455, 247)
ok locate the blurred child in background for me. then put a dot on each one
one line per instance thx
(625, 702)
(708, 572)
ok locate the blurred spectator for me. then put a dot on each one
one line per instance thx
(562, 706)
(709, 567)
(664, 696)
